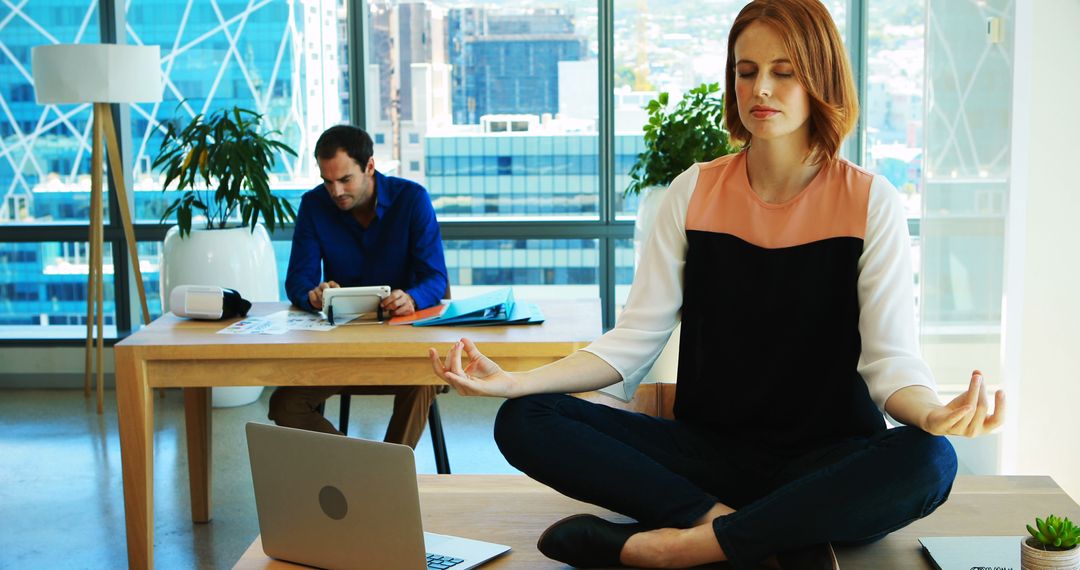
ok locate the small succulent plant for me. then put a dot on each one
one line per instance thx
(1055, 533)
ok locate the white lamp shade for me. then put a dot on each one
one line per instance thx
(96, 73)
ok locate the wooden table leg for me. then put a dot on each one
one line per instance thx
(198, 420)
(135, 414)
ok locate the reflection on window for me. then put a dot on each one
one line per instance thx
(44, 149)
(43, 290)
(219, 54)
(496, 104)
(561, 262)
(892, 108)
(668, 47)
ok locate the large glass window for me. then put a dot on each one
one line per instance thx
(44, 149)
(665, 47)
(492, 107)
(892, 107)
(43, 290)
(536, 268)
(285, 60)
(965, 190)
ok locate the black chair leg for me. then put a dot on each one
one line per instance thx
(438, 440)
(442, 461)
(343, 419)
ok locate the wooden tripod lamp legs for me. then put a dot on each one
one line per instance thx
(95, 284)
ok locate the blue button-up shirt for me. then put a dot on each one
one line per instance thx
(401, 247)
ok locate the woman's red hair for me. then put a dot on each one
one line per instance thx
(821, 66)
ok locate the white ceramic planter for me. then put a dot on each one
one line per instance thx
(1032, 558)
(234, 258)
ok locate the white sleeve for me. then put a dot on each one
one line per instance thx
(654, 305)
(890, 358)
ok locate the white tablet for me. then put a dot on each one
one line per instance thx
(353, 301)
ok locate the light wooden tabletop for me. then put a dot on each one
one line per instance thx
(514, 510)
(568, 325)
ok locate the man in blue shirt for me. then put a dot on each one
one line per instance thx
(363, 228)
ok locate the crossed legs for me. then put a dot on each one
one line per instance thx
(711, 497)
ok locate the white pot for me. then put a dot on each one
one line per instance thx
(666, 367)
(1032, 558)
(234, 258)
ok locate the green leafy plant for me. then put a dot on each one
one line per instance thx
(222, 163)
(675, 139)
(1055, 533)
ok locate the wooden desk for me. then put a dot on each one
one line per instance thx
(175, 352)
(514, 510)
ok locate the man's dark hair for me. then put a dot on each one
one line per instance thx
(353, 140)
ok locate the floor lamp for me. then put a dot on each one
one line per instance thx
(101, 74)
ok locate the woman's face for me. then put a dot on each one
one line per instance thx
(772, 102)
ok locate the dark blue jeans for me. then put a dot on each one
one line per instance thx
(667, 473)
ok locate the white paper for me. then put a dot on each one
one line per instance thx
(282, 322)
(300, 321)
(257, 325)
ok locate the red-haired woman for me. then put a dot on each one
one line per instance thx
(790, 270)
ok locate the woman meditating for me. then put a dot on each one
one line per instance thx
(790, 270)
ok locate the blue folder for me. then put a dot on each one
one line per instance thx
(493, 308)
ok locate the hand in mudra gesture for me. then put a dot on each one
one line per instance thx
(967, 414)
(480, 377)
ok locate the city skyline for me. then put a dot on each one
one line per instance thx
(287, 60)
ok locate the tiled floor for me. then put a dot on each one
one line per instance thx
(61, 500)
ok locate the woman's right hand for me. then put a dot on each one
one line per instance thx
(481, 377)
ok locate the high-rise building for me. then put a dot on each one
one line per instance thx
(401, 34)
(407, 61)
(506, 62)
(277, 58)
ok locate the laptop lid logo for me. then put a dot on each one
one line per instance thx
(333, 502)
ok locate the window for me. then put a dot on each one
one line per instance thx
(535, 267)
(508, 131)
(44, 290)
(961, 204)
(255, 62)
(45, 153)
(502, 87)
(666, 50)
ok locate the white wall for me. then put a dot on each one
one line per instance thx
(1042, 329)
(47, 367)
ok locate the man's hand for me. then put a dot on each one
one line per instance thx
(481, 377)
(966, 414)
(315, 295)
(399, 303)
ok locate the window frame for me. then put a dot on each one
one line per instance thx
(606, 228)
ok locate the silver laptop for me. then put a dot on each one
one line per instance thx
(338, 502)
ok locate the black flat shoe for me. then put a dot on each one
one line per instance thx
(813, 557)
(587, 541)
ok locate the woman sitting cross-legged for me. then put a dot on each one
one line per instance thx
(790, 271)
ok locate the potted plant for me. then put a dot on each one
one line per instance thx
(693, 131)
(675, 138)
(223, 153)
(221, 165)
(1051, 546)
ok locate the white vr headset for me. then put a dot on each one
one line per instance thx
(207, 302)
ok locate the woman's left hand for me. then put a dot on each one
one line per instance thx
(967, 414)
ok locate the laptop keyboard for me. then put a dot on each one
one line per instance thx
(436, 562)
